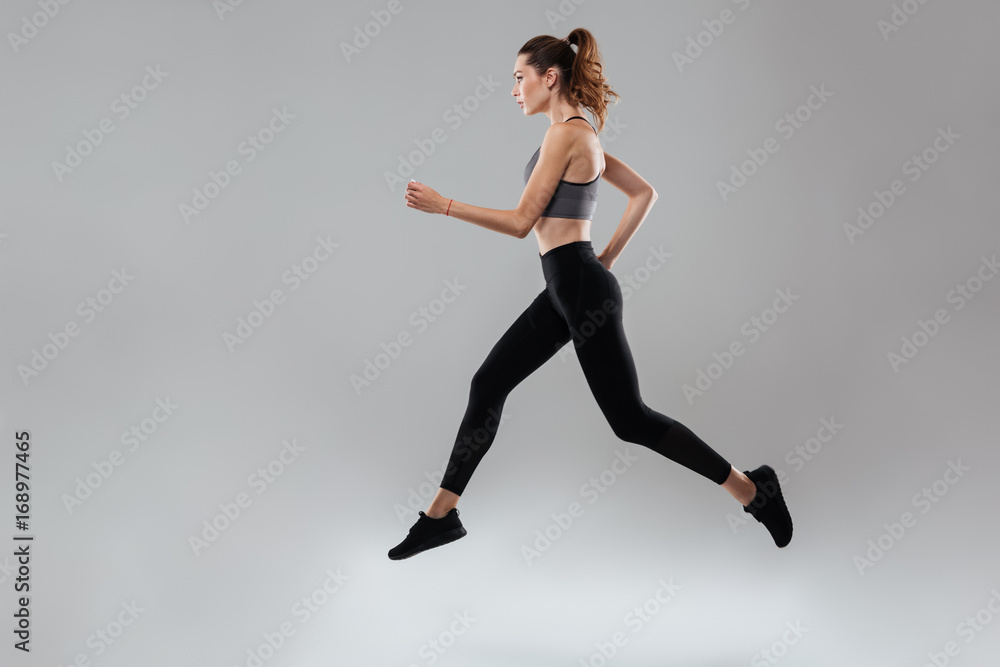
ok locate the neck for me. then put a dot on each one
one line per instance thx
(563, 113)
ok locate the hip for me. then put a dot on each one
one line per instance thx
(575, 278)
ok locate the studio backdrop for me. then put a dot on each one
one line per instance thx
(235, 361)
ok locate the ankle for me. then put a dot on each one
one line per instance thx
(435, 514)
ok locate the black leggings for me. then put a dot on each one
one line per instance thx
(581, 301)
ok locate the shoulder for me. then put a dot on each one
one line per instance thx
(560, 136)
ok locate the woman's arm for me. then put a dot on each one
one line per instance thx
(641, 196)
(505, 222)
(553, 158)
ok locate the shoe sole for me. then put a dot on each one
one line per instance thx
(436, 541)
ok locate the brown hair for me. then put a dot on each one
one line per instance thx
(581, 74)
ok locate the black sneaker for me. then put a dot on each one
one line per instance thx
(428, 533)
(768, 506)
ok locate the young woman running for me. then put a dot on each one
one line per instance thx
(582, 300)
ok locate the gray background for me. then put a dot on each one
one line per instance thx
(345, 498)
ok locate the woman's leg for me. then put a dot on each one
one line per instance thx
(591, 301)
(529, 342)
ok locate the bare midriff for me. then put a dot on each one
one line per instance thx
(553, 232)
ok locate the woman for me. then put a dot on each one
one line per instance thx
(582, 300)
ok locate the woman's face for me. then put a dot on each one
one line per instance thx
(529, 88)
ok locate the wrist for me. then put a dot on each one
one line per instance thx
(447, 208)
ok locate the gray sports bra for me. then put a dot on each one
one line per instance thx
(570, 200)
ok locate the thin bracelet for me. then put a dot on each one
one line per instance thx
(449, 207)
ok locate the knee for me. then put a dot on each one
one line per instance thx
(634, 421)
(482, 382)
(628, 427)
(486, 387)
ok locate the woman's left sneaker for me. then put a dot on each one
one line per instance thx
(768, 506)
(428, 533)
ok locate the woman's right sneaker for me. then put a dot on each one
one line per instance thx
(428, 533)
(768, 506)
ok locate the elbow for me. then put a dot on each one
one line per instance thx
(522, 226)
(647, 195)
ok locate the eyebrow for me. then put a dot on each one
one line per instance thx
(515, 72)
